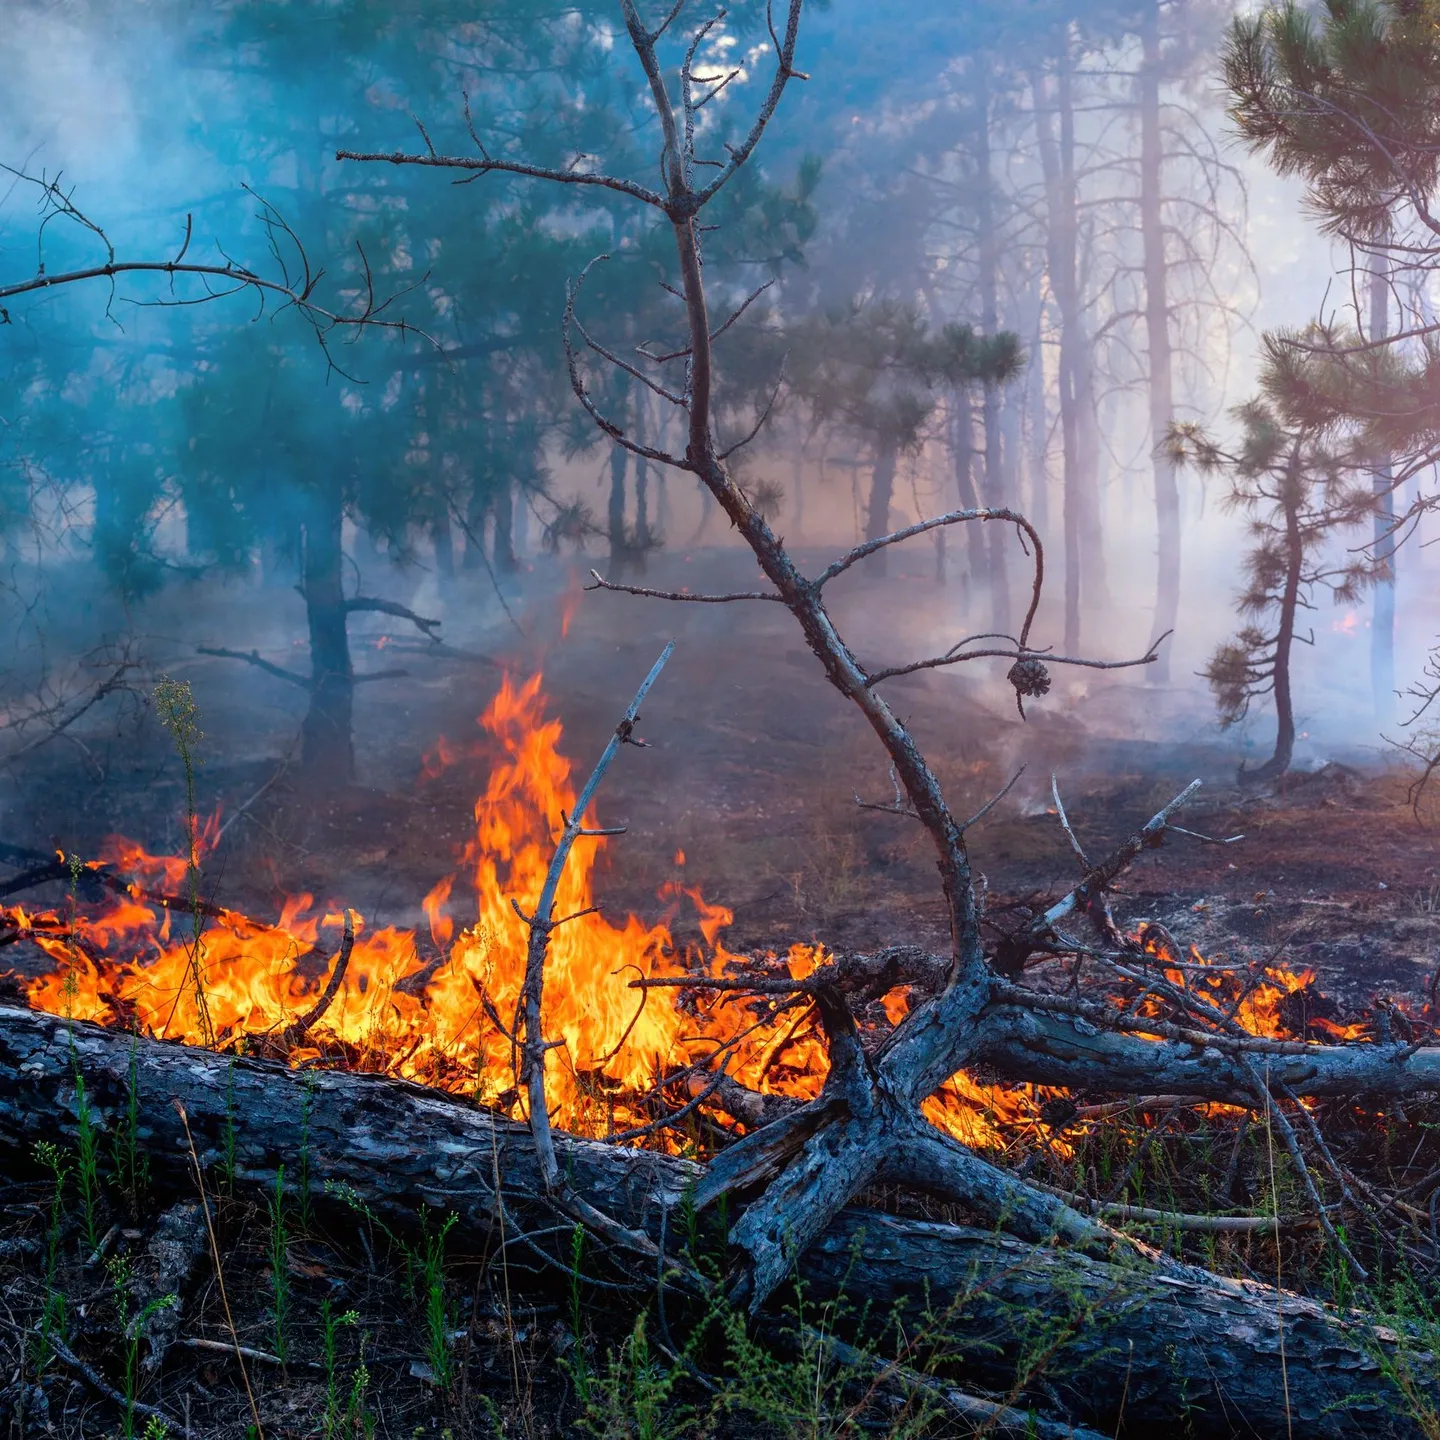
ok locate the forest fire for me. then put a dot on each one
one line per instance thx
(444, 1014)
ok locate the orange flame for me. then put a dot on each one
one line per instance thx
(445, 1016)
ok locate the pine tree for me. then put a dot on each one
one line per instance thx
(1298, 491)
(1348, 99)
(873, 369)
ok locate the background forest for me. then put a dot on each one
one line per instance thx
(386, 385)
(1061, 176)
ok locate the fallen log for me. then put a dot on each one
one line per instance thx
(1163, 1347)
(1020, 1043)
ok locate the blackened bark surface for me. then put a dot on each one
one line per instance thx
(1201, 1356)
(1157, 335)
(882, 492)
(327, 741)
(1178, 1348)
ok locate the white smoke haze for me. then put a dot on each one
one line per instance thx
(142, 107)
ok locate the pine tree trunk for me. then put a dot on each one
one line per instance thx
(327, 745)
(475, 502)
(443, 539)
(1057, 158)
(1157, 335)
(642, 484)
(797, 487)
(1382, 621)
(503, 542)
(1096, 581)
(1284, 650)
(997, 490)
(1037, 422)
(882, 492)
(962, 449)
(615, 510)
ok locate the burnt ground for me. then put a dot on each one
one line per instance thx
(753, 771)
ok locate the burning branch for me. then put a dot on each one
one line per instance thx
(296, 1033)
(542, 923)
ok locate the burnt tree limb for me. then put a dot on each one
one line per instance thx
(1020, 1043)
(1159, 1340)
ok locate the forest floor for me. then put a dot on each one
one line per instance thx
(752, 772)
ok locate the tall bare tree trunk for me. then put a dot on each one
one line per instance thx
(1382, 621)
(882, 491)
(615, 510)
(1037, 421)
(1157, 336)
(443, 538)
(642, 484)
(1075, 386)
(1096, 581)
(475, 505)
(996, 489)
(962, 449)
(797, 485)
(1279, 762)
(327, 746)
(502, 544)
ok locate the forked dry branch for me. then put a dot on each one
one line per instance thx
(294, 283)
(867, 1120)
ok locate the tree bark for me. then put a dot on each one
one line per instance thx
(1285, 631)
(996, 487)
(327, 745)
(1382, 623)
(503, 536)
(1060, 246)
(442, 537)
(962, 448)
(1157, 335)
(1178, 1346)
(1037, 419)
(882, 491)
(615, 510)
(643, 536)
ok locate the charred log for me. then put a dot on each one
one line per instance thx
(1118, 1335)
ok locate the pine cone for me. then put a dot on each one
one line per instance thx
(1030, 678)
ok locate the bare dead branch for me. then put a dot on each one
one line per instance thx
(577, 382)
(1065, 822)
(603, 584)
(715, 334)
(253, 657)
(59, 203)
(1013, 952)
(937, 662)
(369, 604)
(760, 419)
(296, 1033)
(485, 165)
(994, 800)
